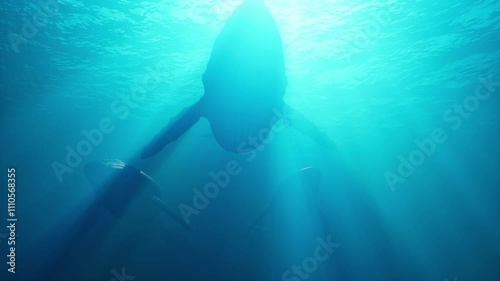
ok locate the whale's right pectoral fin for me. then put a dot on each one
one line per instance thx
(176, 128)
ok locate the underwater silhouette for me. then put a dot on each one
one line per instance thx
(244, 83)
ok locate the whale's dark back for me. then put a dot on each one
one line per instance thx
(245, 77)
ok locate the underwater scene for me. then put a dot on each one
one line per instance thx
(259, 140)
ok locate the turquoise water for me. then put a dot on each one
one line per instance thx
(407, 90)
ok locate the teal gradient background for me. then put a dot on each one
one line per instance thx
(378, 77)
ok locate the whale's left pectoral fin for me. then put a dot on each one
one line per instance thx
(307, 127)
(176, 128)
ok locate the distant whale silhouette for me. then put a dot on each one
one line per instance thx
(244, 83)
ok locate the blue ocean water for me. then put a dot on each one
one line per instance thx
(408, 90)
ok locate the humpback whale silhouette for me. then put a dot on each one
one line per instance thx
(244, 84)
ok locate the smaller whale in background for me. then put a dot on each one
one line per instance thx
(244, 83)
(126, 191)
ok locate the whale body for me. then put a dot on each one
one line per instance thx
(244, 84)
